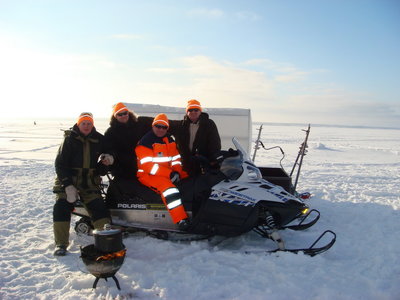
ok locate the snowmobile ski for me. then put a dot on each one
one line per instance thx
(301, 225)
(311, 251)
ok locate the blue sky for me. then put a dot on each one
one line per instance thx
(329, 62)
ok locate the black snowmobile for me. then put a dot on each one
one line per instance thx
(237, 198)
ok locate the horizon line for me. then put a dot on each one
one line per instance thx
(253, 122)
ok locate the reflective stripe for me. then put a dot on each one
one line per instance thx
(170, 192)
(176, 157)
(146, 159)
(174, 204)
(176, 163)
(140, 170)
(154, 169)
(162, 159)
(155, 159)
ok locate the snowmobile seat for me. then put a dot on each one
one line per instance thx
(130, 191)
(194, 191)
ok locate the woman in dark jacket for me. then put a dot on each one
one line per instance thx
(122, 137)
(78, 172)
(196, 136)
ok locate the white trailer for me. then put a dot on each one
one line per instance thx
(231, 122)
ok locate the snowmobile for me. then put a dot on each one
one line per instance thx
(237, 198)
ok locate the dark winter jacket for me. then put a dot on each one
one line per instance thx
(77, 160)
(122, 138)
(206, 143)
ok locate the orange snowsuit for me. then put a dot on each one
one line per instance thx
(157, 159)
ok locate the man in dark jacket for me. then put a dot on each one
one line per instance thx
(197, 136)
(122, 136)
(78, 176)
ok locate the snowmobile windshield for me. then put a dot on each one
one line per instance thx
(243, 153)
(232, 167)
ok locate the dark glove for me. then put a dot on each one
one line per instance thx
(216, 159)
(201, 163)
(229, 153)
(174, 176)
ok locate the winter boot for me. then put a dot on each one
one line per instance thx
(60, 250)
(184, 225)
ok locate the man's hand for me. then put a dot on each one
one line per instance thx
(72, 193)
(107, 159)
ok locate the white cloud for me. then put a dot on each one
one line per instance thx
(279, 67)
(163, 70)
(227, 81)
(47, 84)
(215, 83)
(247, 15)
(278, 93)
(292, 76)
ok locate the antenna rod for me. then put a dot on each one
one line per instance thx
(256, 147)
(302, 153)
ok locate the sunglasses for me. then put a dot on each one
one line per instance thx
(193, 110)
(161, 127)
(121, 114)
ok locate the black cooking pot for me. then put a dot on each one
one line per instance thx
(103, 268)
(108, 240)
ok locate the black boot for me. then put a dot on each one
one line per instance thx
(184, 225)
(60, 250)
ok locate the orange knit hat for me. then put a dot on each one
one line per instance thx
(119, 107)
(85, 116)
(193, 104)
(161, 119)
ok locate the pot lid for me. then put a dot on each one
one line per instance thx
(106, 231)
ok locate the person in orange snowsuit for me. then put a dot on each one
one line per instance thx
(160, 168)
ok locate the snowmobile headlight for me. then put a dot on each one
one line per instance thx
(304, 211)
(253, 173)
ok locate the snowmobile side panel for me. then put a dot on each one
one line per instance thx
(221, 218)
(146, 219)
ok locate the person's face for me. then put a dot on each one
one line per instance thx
(193, 114)
(122, 117)
(85, 127)
(160, 130)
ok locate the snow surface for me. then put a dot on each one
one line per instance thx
(353, 174)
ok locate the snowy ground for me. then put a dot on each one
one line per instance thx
(353, 174)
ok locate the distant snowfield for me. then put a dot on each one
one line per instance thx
(353, 174)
